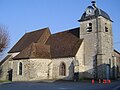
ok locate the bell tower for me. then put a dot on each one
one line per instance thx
(96, 30)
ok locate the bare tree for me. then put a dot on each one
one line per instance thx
(4, 38)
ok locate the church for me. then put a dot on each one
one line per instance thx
(82, 52)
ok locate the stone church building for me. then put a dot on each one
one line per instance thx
(82, 52)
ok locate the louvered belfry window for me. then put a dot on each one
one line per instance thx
(89, 27)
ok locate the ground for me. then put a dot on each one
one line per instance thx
(59, 85)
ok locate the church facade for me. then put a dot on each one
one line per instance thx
(82, 52)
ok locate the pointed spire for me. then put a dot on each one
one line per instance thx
(93, 3)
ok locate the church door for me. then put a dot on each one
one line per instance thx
(10, 74)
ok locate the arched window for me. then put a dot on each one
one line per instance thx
(62, 69)
(20, 68)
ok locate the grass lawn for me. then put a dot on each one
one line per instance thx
(1, 81)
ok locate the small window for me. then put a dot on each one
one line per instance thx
(89, 27)
(20, 68)
(106, 28)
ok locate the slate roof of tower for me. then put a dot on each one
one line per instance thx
(59, 45)
(97, 12)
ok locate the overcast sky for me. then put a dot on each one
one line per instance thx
(21, 16)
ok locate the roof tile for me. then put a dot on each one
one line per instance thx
(59, 45)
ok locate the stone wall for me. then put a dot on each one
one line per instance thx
(25, 74)
(69, 68)
(81, 63)
(4, 68)
(105, 46)
(117, 59)
(4, 71)
(98, 46)
(33, 69)
(40, 69)
(90, 46)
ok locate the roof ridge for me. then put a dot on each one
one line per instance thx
(24, 35)
(37, 30)
(65, 31)
(28, 38)
(116, 51)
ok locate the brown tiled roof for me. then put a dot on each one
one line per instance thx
(116, 54)
(5, 59)
(64, 44)
(59, 45)
(116, 51)
(35, 36)
(35, 50)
